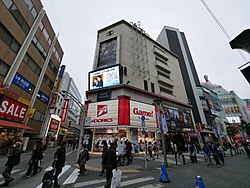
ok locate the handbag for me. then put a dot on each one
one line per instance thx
(116, 179)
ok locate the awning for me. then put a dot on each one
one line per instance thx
(11, 124)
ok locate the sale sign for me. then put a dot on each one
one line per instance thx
(12, 109)
(54, 124)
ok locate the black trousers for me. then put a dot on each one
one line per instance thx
(35, 164)
(109, 175)
(7, 172)
(55, 177)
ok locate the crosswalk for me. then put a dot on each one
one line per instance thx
(74, 181)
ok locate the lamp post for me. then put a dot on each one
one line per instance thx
(159, 106)
(82, 115)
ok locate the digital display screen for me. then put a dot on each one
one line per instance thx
(104, 78)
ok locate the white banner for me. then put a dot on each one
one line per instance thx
(164, 124)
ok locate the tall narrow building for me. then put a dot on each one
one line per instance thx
(175, 41)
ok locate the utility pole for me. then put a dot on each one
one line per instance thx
(159, 104)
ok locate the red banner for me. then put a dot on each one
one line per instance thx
(12, 109)
(54, 124)
(64, 110)
(53, 101)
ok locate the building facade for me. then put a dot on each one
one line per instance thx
(130, 72)
(29, 62)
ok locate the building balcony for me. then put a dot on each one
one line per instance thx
(160, 53)
(162, 66)
(165, 81)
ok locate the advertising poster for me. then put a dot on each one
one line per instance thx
(176, 115)
(104, 78)
(107, 53)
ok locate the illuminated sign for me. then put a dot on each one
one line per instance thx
(138, 109)
(104, 78)
(64, 110)
(234, 119)
(103, 113)
(54, 124)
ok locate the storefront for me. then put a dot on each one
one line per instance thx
(12, 114)
(120, 119)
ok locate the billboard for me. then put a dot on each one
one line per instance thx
(137, 110)
(107, 53)
(103, 113)
(234, 119)
(104, 78)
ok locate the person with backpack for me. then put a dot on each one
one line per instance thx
(207, 153)
(83, 158)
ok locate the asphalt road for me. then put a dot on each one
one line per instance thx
(235, 173)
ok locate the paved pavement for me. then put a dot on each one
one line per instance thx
(235, 173)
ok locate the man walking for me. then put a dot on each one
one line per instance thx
(59, 162)
(13, 160)
(37, 155)
(110, 162)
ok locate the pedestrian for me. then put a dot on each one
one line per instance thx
(128, 150)
(121, 148)
(104, 149)
(59, 162)
(192, 152)
(156, 150)
(37, 155)
(207, 153)
(150, 150)
(83, 158)
(215, 153)
(14, 158)
(110, 162)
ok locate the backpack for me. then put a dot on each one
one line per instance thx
(87, 156)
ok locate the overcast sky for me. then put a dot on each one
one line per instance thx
(78, 21)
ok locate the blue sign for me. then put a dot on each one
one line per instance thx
(143, 118)
(144, 131)
(21, 82)
(61, 71)
(44, 98)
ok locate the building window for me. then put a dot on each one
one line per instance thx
(145, 85)
(4, 68)
(48, 81)
(152, 87)
(38, 116)
(8, 39)
(7, 3)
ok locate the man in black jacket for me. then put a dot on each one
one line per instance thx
(37, 154)
(13, 160)
(110, 163)
(59, 162)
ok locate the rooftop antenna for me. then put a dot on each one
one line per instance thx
(139, 23)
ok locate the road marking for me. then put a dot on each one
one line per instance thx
(64, 170)
(134, 181)
(72, 178)
(92, 182)
(13, 171)
(151, 186)
(139, 180)
(69, 152)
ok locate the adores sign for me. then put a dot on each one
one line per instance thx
(54, 124)
(103, 113)
(137, 110)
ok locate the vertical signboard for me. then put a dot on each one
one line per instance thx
(64, 110)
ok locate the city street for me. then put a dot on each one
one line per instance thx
(234, 174)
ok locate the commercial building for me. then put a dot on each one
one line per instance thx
(131, 74)
(173, 39)
(29, 62)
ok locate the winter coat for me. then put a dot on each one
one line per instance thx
(82, 157)
(15, 158)
(60, 156)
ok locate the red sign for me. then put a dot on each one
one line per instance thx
(54, 124)
(13, 109)
(53, 101)
(64, 111)
(102, 110)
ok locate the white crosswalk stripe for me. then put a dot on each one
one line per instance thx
(72, 178)
(64, 170)
(133, 181)
(151, 186)
(87, 183)
(13, 171)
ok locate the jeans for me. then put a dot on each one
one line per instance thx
(7, 172)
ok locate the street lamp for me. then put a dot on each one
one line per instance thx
(82, 115)
(159, 106)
